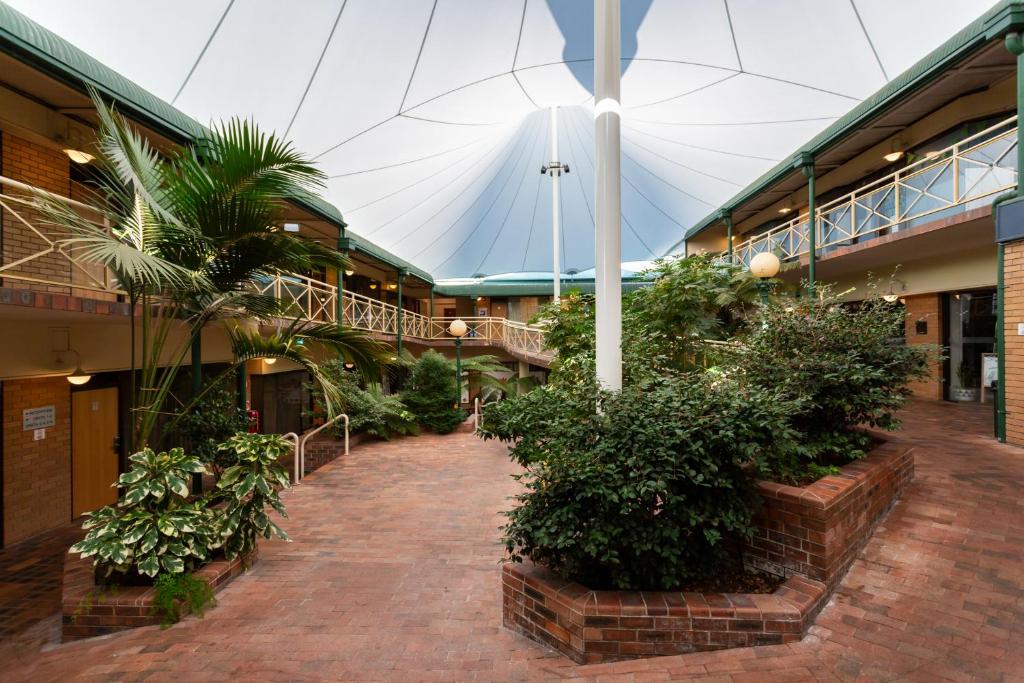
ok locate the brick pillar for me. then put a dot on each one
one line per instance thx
(1013, 279)
(926, 308)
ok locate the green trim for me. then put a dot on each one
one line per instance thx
(525, 288)
(354, 242)
(969, 40)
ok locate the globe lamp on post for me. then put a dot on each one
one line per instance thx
(764, 267)
(458, 330)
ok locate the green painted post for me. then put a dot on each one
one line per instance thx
(458, 371)
(197, 386)
(1000, 347)
(805, 162)
(1015, 45)
(725, 215)
(242, 391)
(431, 301)
(398, 317)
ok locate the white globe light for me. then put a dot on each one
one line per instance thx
(765, 265)
(458, 328)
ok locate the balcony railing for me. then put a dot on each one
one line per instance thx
(956, 179)
(36, 256)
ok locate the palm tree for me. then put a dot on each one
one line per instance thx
(194, 232)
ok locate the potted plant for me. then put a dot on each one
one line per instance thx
(968, 379)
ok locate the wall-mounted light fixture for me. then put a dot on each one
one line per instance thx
(291, 227)
(77, 376)
(78, 156)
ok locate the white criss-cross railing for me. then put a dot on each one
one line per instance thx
(955, 179)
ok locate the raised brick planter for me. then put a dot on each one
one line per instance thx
(601, 626)
(817, 530)
(810, 534)
(90, 610)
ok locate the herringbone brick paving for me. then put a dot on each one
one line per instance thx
(393, 576)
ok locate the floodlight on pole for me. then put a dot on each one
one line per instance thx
(555, 168)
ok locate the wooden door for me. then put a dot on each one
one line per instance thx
(93, 449)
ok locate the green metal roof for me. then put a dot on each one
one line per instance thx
(354, 242)
(525, 287)
(47, 52)
(1006, 15)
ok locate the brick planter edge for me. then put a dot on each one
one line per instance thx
(89, 610)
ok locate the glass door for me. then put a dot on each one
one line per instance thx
(971, 332)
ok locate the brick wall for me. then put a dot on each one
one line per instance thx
(817, 530)
(50, 170)
(37, 474)
(926, 307)
(1013, 281)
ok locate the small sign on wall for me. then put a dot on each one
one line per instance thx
(38, 434)
(38, 418)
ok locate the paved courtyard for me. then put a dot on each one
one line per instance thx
(393, 575)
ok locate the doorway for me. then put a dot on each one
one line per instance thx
(970, 334)
(94, 449)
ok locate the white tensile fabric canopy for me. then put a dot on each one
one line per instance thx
(431, 116)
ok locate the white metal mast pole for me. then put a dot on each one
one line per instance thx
(556, 238)
(608, 218)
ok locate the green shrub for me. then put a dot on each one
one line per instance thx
(370, 410)
(214, 419)
(250, 487)
(432, 395)
(153, 528)
(171, 591)
(842, 367)
(652, 491)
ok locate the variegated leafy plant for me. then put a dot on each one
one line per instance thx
(154, 528)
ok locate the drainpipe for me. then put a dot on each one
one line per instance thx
(431, 301)
(805, 162)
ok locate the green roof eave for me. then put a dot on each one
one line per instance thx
(47, 52)
(353, 242)
(524, 288)
(995, 22)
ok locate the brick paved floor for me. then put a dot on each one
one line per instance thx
(393, 576)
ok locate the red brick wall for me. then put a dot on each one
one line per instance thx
(817, 530)
(37, 474)
(926, 307)
(1013, 281)
(50, 170)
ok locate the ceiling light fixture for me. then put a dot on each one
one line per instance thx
(784, 210)
(78, 156)
(269, 361)
(349, 272)
(896, 151)
(373, 285)
(291, 227)
(77, 376)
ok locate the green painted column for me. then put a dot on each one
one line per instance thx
(458, 371)
(1015, 45)
(725, 215)
(805, 162)
(398, 318)
(242, 388)
(197, 364)
(431, 301)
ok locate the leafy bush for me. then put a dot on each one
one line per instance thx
(432, 395)
(250, 487)
(840, 366)
(154, 528)
(211, 421)
(171, 591)
(369, 410)
(651, 491)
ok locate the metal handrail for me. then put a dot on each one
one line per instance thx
(295, 438)
(302, 444)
